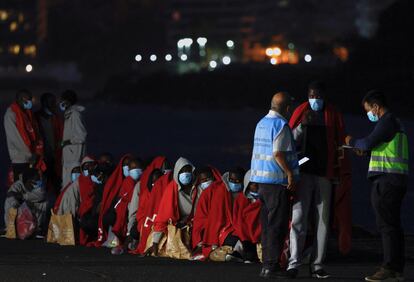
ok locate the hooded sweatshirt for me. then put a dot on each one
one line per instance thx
(75, 131)
(177, 206)
(226, 181)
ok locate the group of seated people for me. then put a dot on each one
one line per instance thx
(130, 207)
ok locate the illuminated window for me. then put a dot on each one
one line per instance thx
(14, 49)
(3, 15)
(30, 50)
(13, 26)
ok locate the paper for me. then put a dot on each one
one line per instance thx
(303, 160)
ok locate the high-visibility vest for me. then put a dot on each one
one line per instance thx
(264, 168)
(391, 157)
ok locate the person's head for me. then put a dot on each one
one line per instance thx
(155, 175)
(135, 168)
(236, 176)
(67, 99)
(88, 167)
(317, 95)
(32, 179)
(98, 175)
(185, 175)
(282, 103)
(106, 158)
(252, 191)
(48, 103)
(204, 177)
(76, 172)
(24, 99)
(375, 104)
(125, 166)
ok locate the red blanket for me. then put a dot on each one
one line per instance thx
(111, 191)
(87, 196)
(246, 219)
(213, 217)
(121, 208)
(29, 131)
(150, 210)
(337, 168)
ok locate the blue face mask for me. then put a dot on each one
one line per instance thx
(185, 178)
(62, 106)
(316, 104)
(125, 170)
(135, 173)
(85, 172)
(206, 184)
(253, 195)
(48, 112)
(28, 105)
(38, 184)
(372, 117)
(235, 187)
(75, 176)
(96, 180)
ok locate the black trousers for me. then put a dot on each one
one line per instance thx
(274, 216)
(386, 198)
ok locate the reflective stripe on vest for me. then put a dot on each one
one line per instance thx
(391, 157)
(264, 168)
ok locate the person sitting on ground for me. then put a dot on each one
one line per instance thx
(76, 172)
(246, 222)
(234, 181)
(29, 190)
(178, 201)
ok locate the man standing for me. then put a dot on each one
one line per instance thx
(318, 129)
(74, 134)
(22, 133)
(51, 129)
(388, 171)
(275, 168)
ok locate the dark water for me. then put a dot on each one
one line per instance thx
(220, 138)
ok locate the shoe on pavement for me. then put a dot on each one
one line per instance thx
(273, 274)
(320, 274)
(384, 274)
(234, 257)
(292, 273)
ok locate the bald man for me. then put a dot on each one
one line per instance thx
(275, 168)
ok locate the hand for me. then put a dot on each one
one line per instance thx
(348, 140)
(65, 143)
(291, 182)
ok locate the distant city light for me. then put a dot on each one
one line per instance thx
(273, 61)
(277, 51)
(184, 57)
(202, 41)
(226, 60)
(138, 58)
(29, 68)
(168, 57)
(213, 64)
(153, 58)
(308, 58)
(269, 52)
(180, 43)
(187, 42)
(291, 46)
(230, 44)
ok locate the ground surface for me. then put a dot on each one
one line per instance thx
(37, 261)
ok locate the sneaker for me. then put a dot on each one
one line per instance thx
(273, 274)
(383, 274)
(293, 272)
(320, 274)
(234, 257)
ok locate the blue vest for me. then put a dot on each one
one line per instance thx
(264, 168)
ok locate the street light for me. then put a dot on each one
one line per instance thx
(153, 58)
(213, 64)
(269, 52)
(184, 57)
(138, 58)
(29, 68)
(202, 41)
(230, 44)
(273, 61)
(277, 51)
(226, 60)
(168, 57)
(308, 58)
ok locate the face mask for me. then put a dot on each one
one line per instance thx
(253, 195)
(316, 104)
(38, 184)
(48, 112)
(96, 180)
(185, 178)
(125, 170)
(206, 184)
(372, 117)
(62, 106)
(235, 187)
(85, 172)
(75, 176)
(135, 173)
(28, 105)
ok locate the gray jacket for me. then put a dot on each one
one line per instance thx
(75, 131)
(18, 150)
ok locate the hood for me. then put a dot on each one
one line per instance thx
(225, 179)
(74, 108)
(181, 162)
(87, 159)
(246, 182)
